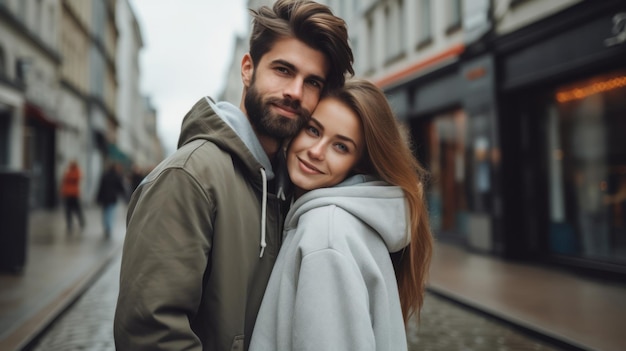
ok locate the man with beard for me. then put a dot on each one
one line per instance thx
(204, 227)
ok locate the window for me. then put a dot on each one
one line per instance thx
(447, 159)
(389, 33)
(394, 25)
(3, 64)
(454, 16)
(425, 26)
(399, 27)
(586, 153)
(370, 57)
(21, 11)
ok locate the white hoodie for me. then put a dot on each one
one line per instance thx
(333, 286)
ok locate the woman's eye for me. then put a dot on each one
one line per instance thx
(312, 130)
(342, 147)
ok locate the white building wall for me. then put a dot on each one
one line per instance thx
(509, 17)
(41, 76)
(11, 102)
(372, 59)
(11, 98)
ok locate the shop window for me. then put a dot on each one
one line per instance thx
(587, 169)
(446, 162)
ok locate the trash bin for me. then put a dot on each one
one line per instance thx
(14, 195)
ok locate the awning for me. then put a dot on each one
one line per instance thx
(35, 112)
(115, 154)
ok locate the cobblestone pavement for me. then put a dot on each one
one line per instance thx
(88, 325)
(445, 325)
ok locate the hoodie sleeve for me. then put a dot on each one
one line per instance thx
(331, 309)
(165, 256)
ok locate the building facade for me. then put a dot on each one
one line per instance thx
(73, 137)
(69, 78)
(102, 109)
(562, 97)
(30, 60)
(130, 106)
(514, 107)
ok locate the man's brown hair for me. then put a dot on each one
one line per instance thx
(310, 22)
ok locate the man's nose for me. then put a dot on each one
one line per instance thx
(294, 89)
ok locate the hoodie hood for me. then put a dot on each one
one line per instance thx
(226, 126)
(378, 204)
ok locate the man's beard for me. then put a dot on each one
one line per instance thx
(268, 123)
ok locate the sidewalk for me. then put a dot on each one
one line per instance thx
(59, 267)
(581, 312)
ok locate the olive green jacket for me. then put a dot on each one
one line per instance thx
(193, 267)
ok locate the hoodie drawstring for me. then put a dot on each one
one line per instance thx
(263, 212)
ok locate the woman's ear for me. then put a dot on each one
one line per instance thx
(247, 70)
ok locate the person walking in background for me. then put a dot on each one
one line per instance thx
(357, 243)
(70, 191)
(110, 189)
(136, 176)
(203, 228)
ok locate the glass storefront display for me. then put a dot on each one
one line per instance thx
(446, 161)
(586, 132)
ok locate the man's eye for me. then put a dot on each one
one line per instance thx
(315, 84)
(282, 70)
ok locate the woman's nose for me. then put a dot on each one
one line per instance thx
(316, 151)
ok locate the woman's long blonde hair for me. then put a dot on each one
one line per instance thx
(389, 156)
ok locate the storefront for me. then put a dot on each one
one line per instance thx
(451, 114)
(432, 109)
(562, 124)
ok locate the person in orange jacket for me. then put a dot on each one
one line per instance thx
(70, 191)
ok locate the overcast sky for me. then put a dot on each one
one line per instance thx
(188, 47)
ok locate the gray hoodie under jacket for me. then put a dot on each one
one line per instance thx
(333, 286)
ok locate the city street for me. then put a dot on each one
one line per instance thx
(87, 325)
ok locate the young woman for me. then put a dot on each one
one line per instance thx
(357, 244)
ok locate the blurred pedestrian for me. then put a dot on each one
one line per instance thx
(357, 244)
(136, 176)
(110, 189)
(204, 226)
(70, 192)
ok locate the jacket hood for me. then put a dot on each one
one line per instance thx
(378, 204)
(227, 127)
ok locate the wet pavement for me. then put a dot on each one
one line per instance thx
(475, 301)
(88, 325)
